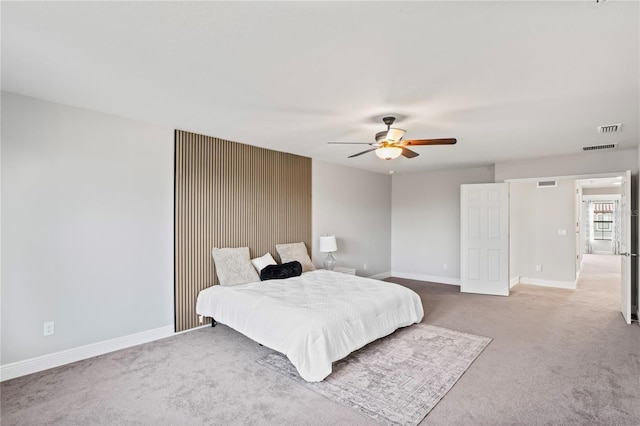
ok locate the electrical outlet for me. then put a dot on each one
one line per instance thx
(445, 266)
(48, 328)
(538, 268)
(364, 267)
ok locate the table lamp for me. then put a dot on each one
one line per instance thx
(328, 245)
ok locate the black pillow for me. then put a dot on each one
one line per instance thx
(280, 272)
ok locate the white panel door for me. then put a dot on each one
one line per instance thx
(578, 222)
(485, 239)
(625, 246)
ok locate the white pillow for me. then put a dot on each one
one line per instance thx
(261, 262)
(233, 266)
(295, 251)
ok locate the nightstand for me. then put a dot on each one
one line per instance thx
(350, 271)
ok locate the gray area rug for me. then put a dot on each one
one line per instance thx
(398, 379)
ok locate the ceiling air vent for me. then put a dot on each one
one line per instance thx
(547, 184)
(598, 147)
(610, 128)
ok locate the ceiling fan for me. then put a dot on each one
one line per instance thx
(389, 143)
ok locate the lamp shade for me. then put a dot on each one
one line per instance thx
(328, 243)
(388, 152)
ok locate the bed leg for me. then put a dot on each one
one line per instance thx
(213, 322)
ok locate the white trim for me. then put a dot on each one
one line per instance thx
(571, 285)
(381, 276)
(33, 365)
(430, 278)
(567, 177)
(192, 329)
(515, 280)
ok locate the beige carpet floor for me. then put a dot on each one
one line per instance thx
(557, 357)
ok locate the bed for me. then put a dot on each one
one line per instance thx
(314, 319)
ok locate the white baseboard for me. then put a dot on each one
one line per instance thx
(430, 278)
(515, 280)
(33, 365)
(571, 285)
(381, 276)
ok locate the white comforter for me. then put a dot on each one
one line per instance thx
(314, 319)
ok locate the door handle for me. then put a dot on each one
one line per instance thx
(628, 254)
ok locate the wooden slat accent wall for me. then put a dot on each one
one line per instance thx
(232, 195)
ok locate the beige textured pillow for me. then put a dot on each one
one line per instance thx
(295, 251)
(233, 266)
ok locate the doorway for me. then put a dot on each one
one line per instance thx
(599, 269)
(599, 216)
(542, 248)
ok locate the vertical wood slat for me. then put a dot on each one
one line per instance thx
(232, 195)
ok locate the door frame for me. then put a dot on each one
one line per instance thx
(633, 203)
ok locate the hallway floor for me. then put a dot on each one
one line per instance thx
(599, 279)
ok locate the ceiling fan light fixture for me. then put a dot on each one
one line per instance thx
(389, 143)
(388, 152)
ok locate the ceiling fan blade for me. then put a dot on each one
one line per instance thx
(408, 153)
(363, 152)
(450, 141)
(351, 143)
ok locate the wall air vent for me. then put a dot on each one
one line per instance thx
(547, 184)
(598, 147)
(610, 128)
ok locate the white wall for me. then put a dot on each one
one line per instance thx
(87, 224)
(355, 206)
(569, 165)
(536, 215)
(425, 223)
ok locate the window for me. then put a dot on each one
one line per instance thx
(603, 221)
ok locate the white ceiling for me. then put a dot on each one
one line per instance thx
(507, 79)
